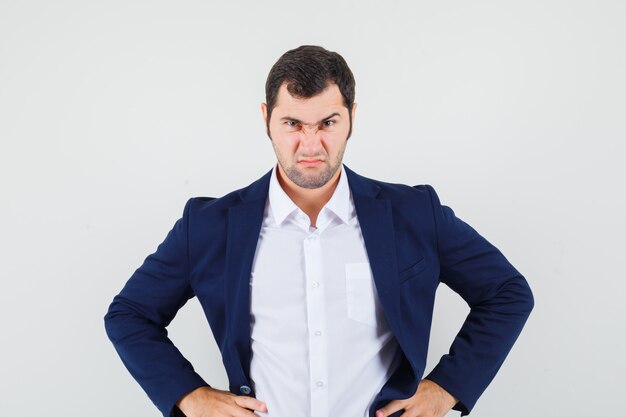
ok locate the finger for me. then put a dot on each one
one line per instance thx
(251, 403)
(390, 408)
(243, 412)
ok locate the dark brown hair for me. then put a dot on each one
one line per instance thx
(308, 70)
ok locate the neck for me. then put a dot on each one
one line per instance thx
(308, 200)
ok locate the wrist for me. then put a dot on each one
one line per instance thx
(186, 401)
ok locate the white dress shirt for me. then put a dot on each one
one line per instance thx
(320, 343)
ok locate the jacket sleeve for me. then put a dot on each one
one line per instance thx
(138, 316)
(500, 301)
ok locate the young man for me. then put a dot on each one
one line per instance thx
(319, 283)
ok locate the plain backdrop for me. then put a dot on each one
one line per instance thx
(113, 114)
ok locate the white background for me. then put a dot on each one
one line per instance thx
(113, 114)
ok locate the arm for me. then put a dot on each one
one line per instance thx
(138, 316)
(500, 301)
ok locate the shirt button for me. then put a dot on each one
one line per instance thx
(319, 384)
(312, 237)
(318, 333)
(315, 284)
(244, 389)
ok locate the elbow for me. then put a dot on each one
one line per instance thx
(514, 297)
(110, 323)
(525, 295)
(117, 322)
(530, 299)
(520, 296)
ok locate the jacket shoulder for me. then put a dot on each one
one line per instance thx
(254, 191)
(394, 191)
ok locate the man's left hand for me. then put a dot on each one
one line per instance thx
(430, 400)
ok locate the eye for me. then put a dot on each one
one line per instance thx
(292, 123)
(328, 123)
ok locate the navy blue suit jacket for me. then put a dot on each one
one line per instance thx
(413, 243)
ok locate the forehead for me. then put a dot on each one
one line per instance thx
(328, 101)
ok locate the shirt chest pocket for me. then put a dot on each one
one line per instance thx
(361, 297)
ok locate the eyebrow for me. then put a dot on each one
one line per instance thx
(293, 119)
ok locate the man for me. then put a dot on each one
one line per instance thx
(319, 283)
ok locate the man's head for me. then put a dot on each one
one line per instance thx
(309, 112)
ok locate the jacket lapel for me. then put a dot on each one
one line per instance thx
(376, 222)
(244, 225)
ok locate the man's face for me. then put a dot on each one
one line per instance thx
(309, 135)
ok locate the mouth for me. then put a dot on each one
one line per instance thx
(310, 162)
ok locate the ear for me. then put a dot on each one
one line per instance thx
(265, 123)
(264, 111)
(353, 111)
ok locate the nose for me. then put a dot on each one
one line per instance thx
(310, 140)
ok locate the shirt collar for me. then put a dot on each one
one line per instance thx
(340, 203)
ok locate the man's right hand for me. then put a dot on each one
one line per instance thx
(211, 402)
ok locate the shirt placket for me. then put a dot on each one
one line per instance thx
(316, 321)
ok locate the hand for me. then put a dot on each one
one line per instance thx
(430, 400)
(211, 402)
